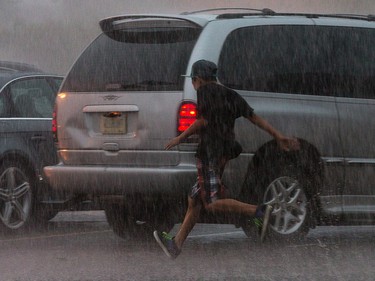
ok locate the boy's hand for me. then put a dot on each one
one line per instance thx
(288, 144)
(173, 142)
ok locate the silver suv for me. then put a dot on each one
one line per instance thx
(311, 76)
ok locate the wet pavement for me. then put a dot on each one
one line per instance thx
(80, 246)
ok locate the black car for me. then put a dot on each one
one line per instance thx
(27, 98)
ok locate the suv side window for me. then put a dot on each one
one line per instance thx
(311, 60)
(32, 98)
(133, 60)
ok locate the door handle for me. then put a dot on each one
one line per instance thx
(112, 147)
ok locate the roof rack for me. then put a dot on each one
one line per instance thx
(341, 16)
(264, 11)
(352, 16)
(269, 12)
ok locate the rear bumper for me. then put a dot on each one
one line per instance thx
(101, 180)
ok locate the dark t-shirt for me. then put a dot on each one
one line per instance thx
(220, 107)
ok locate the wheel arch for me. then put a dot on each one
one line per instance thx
(22, 158)
(307, 159)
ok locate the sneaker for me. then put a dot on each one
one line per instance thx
(167, 244)
(261, 220)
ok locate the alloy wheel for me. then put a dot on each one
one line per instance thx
(15, 198)
(288, 200)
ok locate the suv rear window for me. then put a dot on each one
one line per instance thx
(312, 60)
(134, 60)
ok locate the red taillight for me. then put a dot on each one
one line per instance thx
(186, 116)
(54, 123)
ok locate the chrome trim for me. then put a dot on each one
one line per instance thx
(109, 108)
(30, 76)
(349, 161)
(360, 161)
(330, 160)
(23, 118)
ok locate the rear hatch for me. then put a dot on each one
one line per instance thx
(118, 104)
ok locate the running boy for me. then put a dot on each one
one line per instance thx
(218, 107)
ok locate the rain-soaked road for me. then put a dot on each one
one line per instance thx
(79, 246)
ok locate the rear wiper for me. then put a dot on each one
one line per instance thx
(139, 85)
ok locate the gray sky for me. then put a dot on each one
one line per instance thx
(52, 33)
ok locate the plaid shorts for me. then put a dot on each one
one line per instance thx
(208, 186)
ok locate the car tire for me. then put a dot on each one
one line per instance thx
(128, 225)
(290, 183)
(285, 191)
(16, 195)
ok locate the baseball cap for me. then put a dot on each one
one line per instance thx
(203, 69)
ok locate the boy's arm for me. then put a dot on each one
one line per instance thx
(193, 128)
(284, 142)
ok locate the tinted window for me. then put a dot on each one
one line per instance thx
(32, 98)
(57, 81)
(135, 61)
(313, 60)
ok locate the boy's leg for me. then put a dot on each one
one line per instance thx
(167, 244)
(172, 245)
(260, 214)
(217, 201)
(231, 206)
(191, 218)
(261, 220)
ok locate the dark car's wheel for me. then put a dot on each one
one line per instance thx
(16, 198)
(128, 225)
